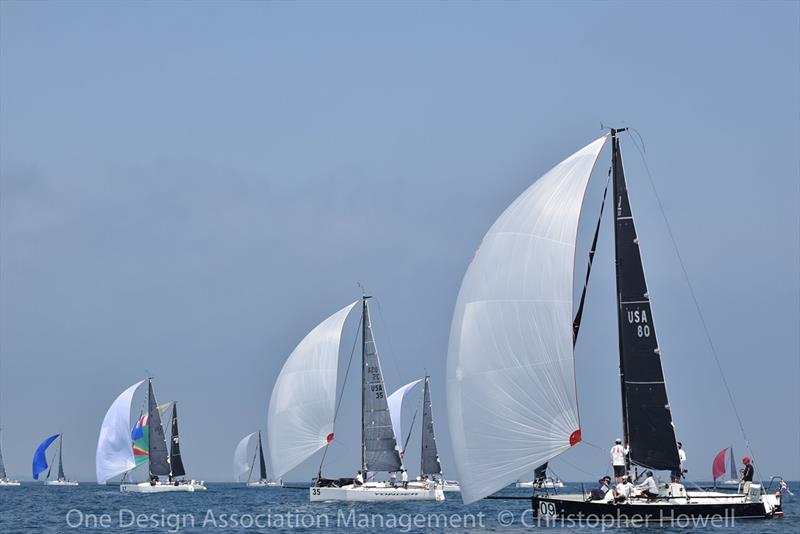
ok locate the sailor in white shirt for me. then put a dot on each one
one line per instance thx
(623, 490)
(649, 486)
(618, 453)
(404, 478)
(677, 475)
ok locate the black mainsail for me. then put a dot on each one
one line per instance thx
(430, 455)
(647, 418)
(379, 445)
(157, 446)
(262, 464)
(540, 473)
(60, 460)
(175, 462)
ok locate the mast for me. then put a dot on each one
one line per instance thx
(262, 464)
(175, 461)
(646, 416)
(363, 385)
(157, 444)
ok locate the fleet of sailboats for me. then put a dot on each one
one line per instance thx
(511, 389)
(121, 449)
(517, 397)
(302, 413)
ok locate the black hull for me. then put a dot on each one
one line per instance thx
(557, 509)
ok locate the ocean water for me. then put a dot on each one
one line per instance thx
(34, 508)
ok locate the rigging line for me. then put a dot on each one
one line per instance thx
(576, 322)
(392, 352)
(341, 393)
(694, 299)
(585, 472)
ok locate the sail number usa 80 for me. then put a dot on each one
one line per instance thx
(638, 318)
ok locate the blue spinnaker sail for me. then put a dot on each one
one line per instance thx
(39, 459)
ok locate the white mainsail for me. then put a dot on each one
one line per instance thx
(395, 402)
(243, 462)
(303, 401)
(511, 394)
(114, 445)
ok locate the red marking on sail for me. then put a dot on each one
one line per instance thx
(329, 438)
(718, 465)
(575, 438)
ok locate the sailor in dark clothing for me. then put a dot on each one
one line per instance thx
(599, 493)
(747, 474)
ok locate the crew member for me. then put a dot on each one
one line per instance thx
(618, 453)
(747, 474)
(649, 487)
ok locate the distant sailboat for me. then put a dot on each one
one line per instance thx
(302, 413)
(4, 480)
(718, 469)
(40, 463)
(120, 449)
(430, 467)
(244, 463)
(541, 480)
(511, 390)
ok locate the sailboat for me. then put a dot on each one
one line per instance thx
(244, 463)
(120, 449)
(430, 466)
(541, 480)
(302, 413)
(718, 469)
(511, 390)
(40, 463)
(4, 480)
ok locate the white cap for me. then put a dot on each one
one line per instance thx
(619, 440)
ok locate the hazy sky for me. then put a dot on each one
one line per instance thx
(189, 188)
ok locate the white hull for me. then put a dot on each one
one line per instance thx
(451, 485)
(265, 484)
(446, 486)
(547, 484)
(61, 483)
(376, 493)
(162, 487)
(8, 482)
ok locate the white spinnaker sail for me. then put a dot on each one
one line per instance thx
(243, 463)
(114, 454)
(395, 402)
(303, 401)
(511, 396)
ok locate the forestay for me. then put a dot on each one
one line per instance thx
(114, 454)
(395, 402)
(303, 401)
(510, 369)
